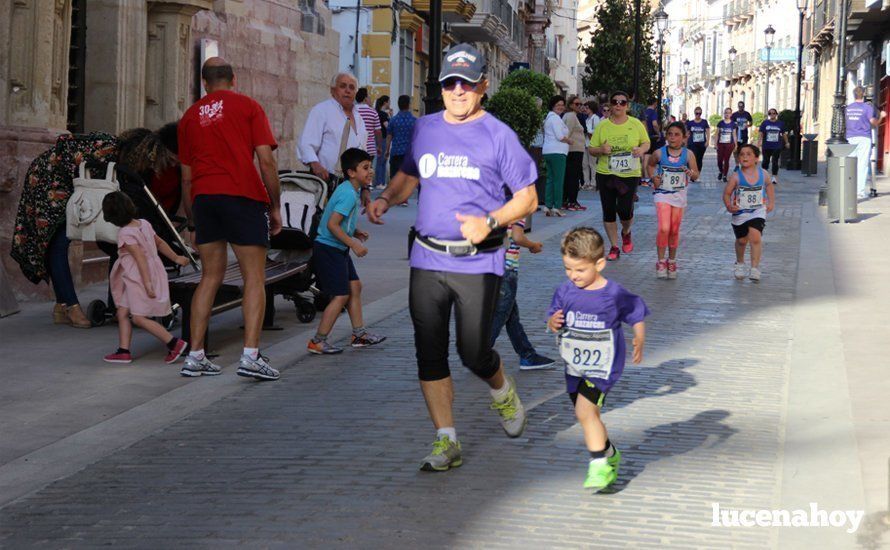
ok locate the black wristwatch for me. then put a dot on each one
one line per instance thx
(491, 222)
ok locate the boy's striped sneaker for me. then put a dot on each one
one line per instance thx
(322, 348)
(366, 339)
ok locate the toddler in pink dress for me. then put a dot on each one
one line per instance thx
(138, 279)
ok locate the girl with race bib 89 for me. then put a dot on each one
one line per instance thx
(672, 168)
(749, 196)
(587, 310)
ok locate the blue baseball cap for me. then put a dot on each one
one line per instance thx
(463, 61)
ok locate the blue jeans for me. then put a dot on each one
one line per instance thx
(507, 313)
(380, 169)
(59, 270)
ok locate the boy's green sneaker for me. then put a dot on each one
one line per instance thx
(600, 474)
(445, 455)
(615, 460)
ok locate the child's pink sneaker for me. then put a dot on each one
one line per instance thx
(119, 357)
(661, 269)
(177, 351)
(672, 269)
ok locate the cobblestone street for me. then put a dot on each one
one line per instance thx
(328, 456)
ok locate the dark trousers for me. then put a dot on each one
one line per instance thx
(724, 153)
(574, 177)
(771, 156)
(616, 196)
(699, 153)
(431, 297)
(507, 314)
(59, 269)
(395, 162)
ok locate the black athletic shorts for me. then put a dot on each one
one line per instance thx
(741, 231)
(590, 392)
(235, 220)
(333, 269)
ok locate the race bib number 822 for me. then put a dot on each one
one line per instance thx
(588, 354)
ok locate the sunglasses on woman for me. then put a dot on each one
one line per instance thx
(452, 82)
(616, 102)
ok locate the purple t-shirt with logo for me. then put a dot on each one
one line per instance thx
(698, 134)
(725, 131)
(859, 115)
(772, 134)
(463, 168)
(601, 309)
(650, 115)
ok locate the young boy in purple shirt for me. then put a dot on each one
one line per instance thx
(587, 311)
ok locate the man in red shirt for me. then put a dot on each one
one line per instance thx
(231, 205)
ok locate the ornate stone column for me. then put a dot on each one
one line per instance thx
(35, 88)
(115, 65)
(34, 41)
(168, 59)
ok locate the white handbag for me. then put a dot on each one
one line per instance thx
(84, 210)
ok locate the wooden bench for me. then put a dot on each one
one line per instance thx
(230, 294)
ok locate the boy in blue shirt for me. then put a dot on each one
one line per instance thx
(333, 267)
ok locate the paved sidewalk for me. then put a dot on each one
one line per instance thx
(328, 455)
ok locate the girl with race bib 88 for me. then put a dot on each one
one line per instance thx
(749, 196)
(587, 310)
(673, 167)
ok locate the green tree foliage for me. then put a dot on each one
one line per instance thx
(787, 117)
(517, 108)
(713, 120)
(537, 84)
(610, 56)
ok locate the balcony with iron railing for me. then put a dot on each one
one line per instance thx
(819, 26)
(486, 25)
(736, 11)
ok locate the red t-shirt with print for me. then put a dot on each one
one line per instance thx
(217, 139)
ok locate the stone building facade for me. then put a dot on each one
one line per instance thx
(110, 65)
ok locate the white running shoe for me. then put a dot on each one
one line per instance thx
(754, 275)
(661, 269)
(672, 269)
(740, 271)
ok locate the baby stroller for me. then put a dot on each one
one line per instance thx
(288, 275)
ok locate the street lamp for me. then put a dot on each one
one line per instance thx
(839, 110)
(794, 161)
(769, 35)
(661, 23)
(685, 83)
(732, 54)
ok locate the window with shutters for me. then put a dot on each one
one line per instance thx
(76, 63)
(406, 63)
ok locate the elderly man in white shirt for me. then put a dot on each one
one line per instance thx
(330, 123)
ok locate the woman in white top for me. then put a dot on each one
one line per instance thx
(555, 150)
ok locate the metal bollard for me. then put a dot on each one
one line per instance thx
(841, 180)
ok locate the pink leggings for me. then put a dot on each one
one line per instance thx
(669, 220)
